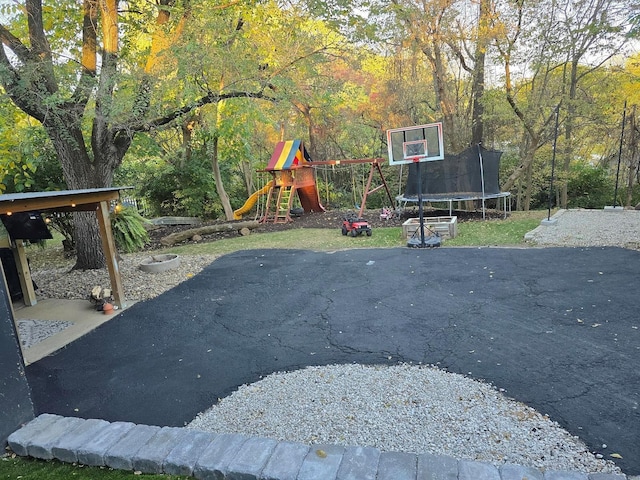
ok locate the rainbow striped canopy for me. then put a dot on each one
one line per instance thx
(287, 155)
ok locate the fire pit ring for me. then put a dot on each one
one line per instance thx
(160, 263)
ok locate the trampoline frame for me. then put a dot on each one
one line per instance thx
(460, 197)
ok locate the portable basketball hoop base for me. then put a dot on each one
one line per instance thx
(418, 239)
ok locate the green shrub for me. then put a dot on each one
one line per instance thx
(128, 229)
(589, 187)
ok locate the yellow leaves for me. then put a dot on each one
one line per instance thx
(615, 455)
(321, 453)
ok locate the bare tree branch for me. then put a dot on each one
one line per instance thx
(14, 44)
(146, 126)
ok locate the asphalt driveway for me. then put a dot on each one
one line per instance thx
(557, 328)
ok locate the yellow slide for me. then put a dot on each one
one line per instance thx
(251, 201)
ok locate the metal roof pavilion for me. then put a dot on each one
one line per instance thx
(93, 199)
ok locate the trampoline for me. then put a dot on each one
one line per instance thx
(460, 197)
(470, 175)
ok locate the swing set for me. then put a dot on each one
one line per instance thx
(294, 175)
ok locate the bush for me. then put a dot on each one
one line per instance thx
(589, 187)
(128, 229)
(187, 190)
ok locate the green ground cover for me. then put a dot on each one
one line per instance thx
(29, 469)
(503, 232)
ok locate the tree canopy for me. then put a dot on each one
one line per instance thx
(189, 96)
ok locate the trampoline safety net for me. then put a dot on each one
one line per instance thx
(458, 175)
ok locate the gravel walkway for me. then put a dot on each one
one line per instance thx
(55, 279)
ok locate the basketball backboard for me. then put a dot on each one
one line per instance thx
(422, 143)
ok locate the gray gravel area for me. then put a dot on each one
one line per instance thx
(589, 228)
(408, 408)
(55, 279)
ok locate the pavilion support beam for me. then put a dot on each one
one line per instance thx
(110, 253)
(24, 274)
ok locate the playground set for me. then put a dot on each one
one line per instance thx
(433, 176)
(293, 173)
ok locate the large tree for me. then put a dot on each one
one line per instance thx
(65, 67)
(592, 33)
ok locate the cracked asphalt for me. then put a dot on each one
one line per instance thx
(556, 328)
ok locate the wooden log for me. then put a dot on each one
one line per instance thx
(205, 230)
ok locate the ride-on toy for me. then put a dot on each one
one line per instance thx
(354, 226)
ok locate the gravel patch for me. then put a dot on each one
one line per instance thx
(409, 408)
(57, 280)
(590, 228)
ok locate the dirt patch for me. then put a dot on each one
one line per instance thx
(328, 219)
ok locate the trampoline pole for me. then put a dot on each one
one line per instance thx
(624, 118)
(481, 179)
(553, 162)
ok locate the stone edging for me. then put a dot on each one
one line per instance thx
(181, 451)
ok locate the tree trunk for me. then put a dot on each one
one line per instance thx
(443, 101)
(527, 188)
(633, 153)
(477, 89)
(305, 110)
(217, 176)
(81, 173)
(568, 153)
(89, 252)
(247, 175)
(177, 237)
(527, 159)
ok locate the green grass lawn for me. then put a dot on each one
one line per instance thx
(30, 469)
(507, 232)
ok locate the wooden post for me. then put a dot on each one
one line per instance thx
(26, 284)
(110, 253)
(375, 165)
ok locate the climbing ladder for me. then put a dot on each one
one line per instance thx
(279, 204)
(284, 204)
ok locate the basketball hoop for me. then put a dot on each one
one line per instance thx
(422, 143)
(416, 145)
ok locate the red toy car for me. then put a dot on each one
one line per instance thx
(354, 226)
